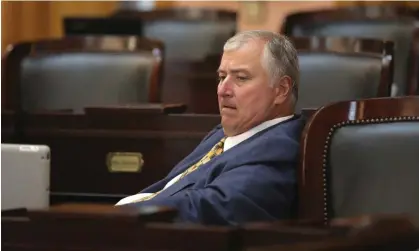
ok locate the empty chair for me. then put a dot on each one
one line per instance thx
(193, 38)
(361, 158)
(401, 29)
(338, 68)
(188, 33)
(191, 33)
(73, 73)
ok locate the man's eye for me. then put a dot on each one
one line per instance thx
(221, 78)
(240, 78)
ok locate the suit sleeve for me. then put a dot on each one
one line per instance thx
(246, 193)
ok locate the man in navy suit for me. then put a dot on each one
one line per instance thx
(245, 169)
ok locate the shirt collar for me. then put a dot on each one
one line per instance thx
(235, 140)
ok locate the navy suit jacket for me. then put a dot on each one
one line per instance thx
(253, 181)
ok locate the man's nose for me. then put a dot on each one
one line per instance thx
(225, 88)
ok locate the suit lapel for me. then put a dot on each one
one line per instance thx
(191, 178)
(197, 154)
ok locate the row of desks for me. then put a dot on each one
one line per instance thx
(83, 146)
(100, 227)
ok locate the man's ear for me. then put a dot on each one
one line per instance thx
(283, 89)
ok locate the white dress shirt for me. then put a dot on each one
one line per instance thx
(229, 143)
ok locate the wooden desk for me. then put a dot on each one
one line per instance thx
(112, 152)
(66, 228)
(112, 228)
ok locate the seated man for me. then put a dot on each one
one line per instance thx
(245, 169)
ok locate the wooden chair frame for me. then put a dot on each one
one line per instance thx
(313, 170)
(89, 44)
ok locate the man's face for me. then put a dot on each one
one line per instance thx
(245, 97)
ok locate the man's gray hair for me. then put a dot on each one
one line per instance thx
(279, 57)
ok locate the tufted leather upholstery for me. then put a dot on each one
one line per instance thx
(330, 77)
(374, 168)
(399, 32)
(79, 79)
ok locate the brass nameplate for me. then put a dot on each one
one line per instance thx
(130, 162)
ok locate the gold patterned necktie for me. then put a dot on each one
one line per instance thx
(215, 151)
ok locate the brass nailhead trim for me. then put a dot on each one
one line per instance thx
(327, 142)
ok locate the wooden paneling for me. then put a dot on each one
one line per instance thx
(61, 9)
(22, 21)
(31, 20)
(164, 4)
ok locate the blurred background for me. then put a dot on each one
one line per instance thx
(32, 20)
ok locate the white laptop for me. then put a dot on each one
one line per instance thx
(25, 176)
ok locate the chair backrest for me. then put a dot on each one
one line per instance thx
(339, 68)
(193, 83)
(353, 23)
(193, 37)
(188, 33)
(361, 157)
(75, 72)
